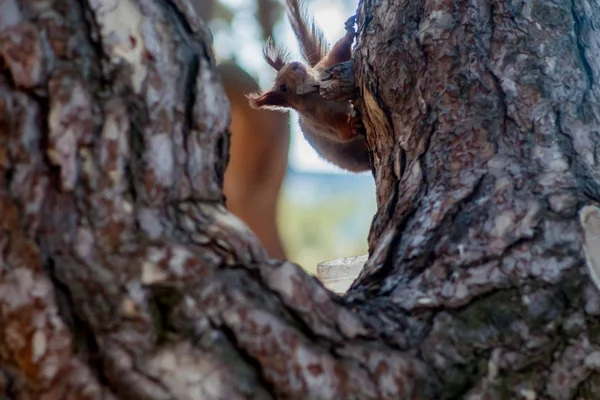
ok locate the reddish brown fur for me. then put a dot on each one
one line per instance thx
(275, 56)
(341, 52)
(313, 44)
(342, 125)
(267, 100)
(325, 123)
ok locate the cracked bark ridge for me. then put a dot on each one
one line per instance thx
(483, 119)
(122, 276)
(337, 82)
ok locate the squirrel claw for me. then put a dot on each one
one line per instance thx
(356, 124)
(349, 24)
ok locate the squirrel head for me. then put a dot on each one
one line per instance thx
(283, 94)
(290, 75)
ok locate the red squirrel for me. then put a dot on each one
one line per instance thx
(327, 125)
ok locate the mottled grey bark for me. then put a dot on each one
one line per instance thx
(483, 117)
(122, 276)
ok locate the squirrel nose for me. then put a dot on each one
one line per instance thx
(294, 66)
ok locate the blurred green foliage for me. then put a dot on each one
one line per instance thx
(335, 227)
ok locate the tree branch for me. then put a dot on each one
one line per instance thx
(336, 83)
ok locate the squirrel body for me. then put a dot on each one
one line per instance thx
(326, 124)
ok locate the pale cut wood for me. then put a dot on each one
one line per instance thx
(337, 275)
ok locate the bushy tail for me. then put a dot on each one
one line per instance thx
(310, 37)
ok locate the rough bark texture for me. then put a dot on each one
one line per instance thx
(483, 118)
(122, 276)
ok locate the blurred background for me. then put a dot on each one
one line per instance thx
(301, 207)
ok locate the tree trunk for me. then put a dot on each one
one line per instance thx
(122, 276)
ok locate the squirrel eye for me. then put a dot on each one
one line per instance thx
(283, 88)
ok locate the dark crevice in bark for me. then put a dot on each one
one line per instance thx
(596, 150)
(591, 189)
(84, 339)
(577, 25)
(394, 247)
(130, 392)
(189, 101)
(579, 389)
(363, 133)
(488, 69)
(95, 42)
(288, 313)
(222, 147)
(382, 271)
(418, 19)
(427, 254)
(492, 28)
(554, 352)
(457, 15)
(53, 171)
(185, 31)
(388, 263)
(224, 250)
(572, 283)
(5, 76)
(502, 100)
(579, 171)
(251, 361)
(391, 214)
(138, 121)
(468, 375)
(367, 18)
(509, 247)
(397, 319)
(402, 163)
(163, 301)
(6, 384)
(180, 20)
(8, 176)
(191, 52)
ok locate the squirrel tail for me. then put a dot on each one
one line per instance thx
(310, 37)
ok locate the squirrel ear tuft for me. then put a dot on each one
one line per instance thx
(268, 100)
(275, 56)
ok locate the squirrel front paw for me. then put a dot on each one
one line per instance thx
(356, 124)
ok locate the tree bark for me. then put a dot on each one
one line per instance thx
(483, 122)
(122, 276)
